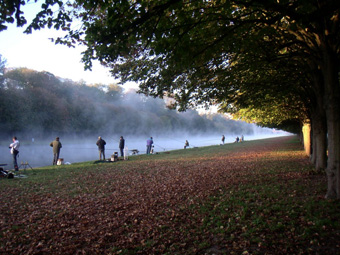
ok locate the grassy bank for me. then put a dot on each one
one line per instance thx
(256, 197)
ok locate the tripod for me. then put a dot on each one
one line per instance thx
(25, 166)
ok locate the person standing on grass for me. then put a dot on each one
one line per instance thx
(149, 143)
(101, 147)
(121, 146)
(15, 151)
(186, 144)
(56, 145)
(223, 139)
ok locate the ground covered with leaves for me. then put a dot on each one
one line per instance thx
(255, 197)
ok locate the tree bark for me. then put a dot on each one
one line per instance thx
(306, 138)
(332, 107)
(319, 122)
(319, 143)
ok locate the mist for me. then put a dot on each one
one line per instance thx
(39, 153)
(40, 105)
(37, 106)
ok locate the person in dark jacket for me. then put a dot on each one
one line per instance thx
(56, 145)
(101, 147)
(186, 144)
(121, 146)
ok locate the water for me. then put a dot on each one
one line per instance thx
(39, 153)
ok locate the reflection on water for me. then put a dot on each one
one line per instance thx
(39, 153)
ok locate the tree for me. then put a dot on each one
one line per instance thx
(185, 49)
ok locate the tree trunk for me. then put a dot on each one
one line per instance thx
(319, 122)
(319, 148)
(332, 107)
(306, 138)
(333, 166)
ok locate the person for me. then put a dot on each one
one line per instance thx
(242, 138)
(56, 145)
(237, 140)
(15, 151)
(149, 143)
(121, 146)
(101, 147)
(223, 139)
(186, 144)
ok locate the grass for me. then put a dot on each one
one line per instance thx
(256, 197)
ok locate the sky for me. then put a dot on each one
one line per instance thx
(35, 51)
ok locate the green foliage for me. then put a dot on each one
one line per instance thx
(41, 103)
(205, 52)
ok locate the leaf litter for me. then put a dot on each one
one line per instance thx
(256, 199)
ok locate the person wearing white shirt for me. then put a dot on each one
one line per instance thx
(15, 151)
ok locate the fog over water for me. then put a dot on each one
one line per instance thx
(39, 153)
(77, 113)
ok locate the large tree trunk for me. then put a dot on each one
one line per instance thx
(333, 166)
(306, 138)
(332, 107)
(319, 148)
(319, 122)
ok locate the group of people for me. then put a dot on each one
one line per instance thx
(56, 146)
(101, 146)
(237, 139)
(14, 150)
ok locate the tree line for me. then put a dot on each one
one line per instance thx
(41, 104)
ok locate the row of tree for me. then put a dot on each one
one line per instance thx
(40, 104)
(275, 62)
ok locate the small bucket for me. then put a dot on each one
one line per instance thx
(60, 161)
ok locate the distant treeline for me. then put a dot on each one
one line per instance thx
(40, 104)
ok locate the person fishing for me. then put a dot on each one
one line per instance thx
(15, 151)
(186, 144)
(149, 143)
(121, 146)
(56, 145)
(101, 147)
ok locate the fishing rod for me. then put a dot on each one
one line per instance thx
(180, 141)
(160, 146)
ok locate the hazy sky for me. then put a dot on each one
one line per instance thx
(37, 52)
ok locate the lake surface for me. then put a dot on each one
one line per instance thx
(39, 153)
